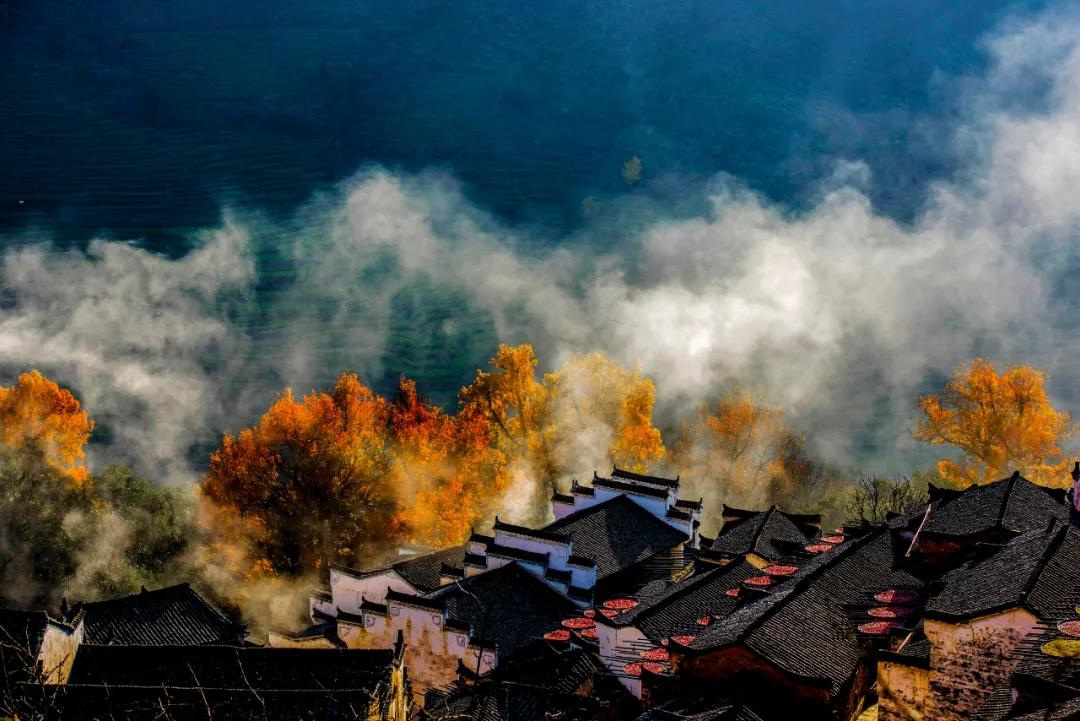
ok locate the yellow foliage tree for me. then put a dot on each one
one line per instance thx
(515, 406)
(592, 410)
(595, 399)
(307, 486)
(739, 444)
(999, 422)
(447, 472)
(36, 413)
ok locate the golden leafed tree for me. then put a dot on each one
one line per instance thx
(308, 485)
(447, 471)
(588, 414)
(39, 415)
(742, 451)
(602, 412)
(999, 423)
(514, 406)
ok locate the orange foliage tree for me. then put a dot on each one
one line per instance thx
(511, 401)
(39, 415)
(589, 411)
(446, 471)
(744, 449)
(595, 401)
(999, 423)
(325, 479)
(512, 408)
(308, 485)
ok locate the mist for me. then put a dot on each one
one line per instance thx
(842, 313)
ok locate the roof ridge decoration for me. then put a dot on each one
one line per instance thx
(1007, 496)
(144, 593)
(761, 527)
(643, 477)
(625, 487)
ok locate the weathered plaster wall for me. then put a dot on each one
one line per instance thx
(968, 660)
(58, 648)
(280, 640)
(901, 687)
(432, 651)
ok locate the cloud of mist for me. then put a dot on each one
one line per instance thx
(144, 340)
(843, 314)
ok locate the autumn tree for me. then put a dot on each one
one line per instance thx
(511, 400)
(737, 444)
(741, 450)
(514, 409)
(447, 472)
(998, 423)
(588, 414)
(601, 412)
(308, 485)
(38, 414)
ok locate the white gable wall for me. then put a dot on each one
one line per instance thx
(347, 590)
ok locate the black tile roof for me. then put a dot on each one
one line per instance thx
(763, 533)
(1013, 504)
(1036, 570)
(617, 472)
(424, 571)
(508, 607)
(545, 666)
(617, 534)
(506, 702)
(1037, 666)
(1058, 710)
(452, 571)
(803, 627)
(1041, 687)
(171, 616)
(692, 708)
(676, 609)
(915, 652)
(686, 503)
(802, 519)
(226, 667)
